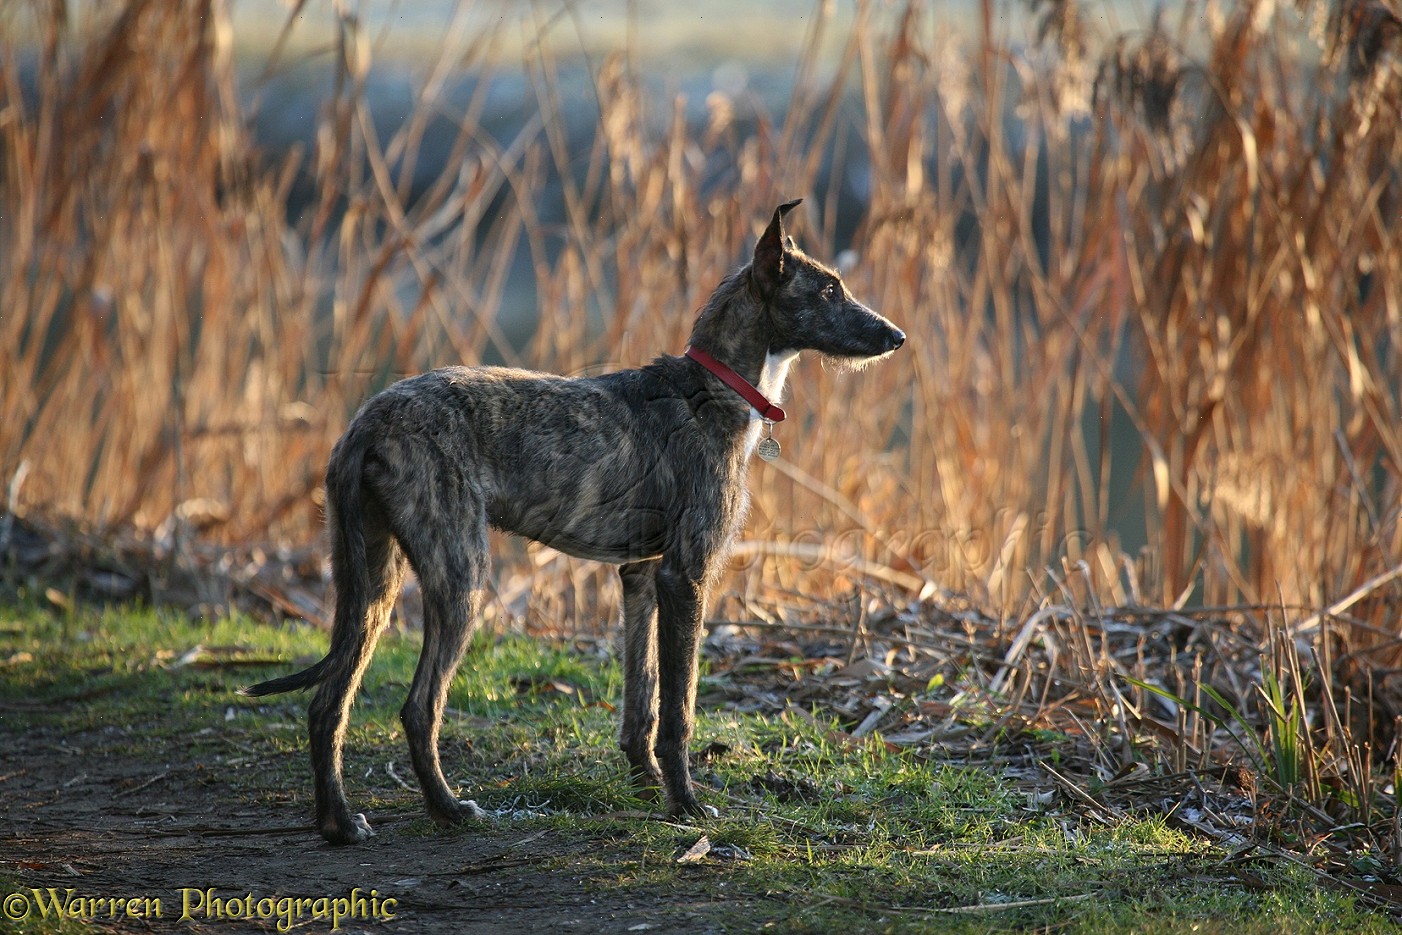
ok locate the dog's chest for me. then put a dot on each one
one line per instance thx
(771, 383)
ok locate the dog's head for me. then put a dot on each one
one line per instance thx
(809, 308)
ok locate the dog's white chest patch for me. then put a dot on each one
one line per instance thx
(771, 383)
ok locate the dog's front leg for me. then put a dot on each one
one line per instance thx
(640, 674)
(680, 609)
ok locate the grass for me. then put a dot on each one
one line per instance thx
(814, 835)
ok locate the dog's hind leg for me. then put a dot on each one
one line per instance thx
(640, 674)
(362, 613)
(451, 564)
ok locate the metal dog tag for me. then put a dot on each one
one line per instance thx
(768, 447)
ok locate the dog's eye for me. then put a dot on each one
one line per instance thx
(830, 292)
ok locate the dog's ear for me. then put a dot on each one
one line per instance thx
(768, 268)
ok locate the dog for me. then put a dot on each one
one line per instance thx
(641, 468)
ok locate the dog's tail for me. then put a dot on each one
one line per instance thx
(349, 569)
(289, 683)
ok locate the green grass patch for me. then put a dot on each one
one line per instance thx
(815, 834)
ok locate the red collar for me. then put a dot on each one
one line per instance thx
(767, 410)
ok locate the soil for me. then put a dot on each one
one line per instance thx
(80, 813)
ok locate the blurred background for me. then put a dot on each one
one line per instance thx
(1149, 260)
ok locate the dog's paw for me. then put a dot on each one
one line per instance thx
(471, 811)
(362, 827)
(456, 812)
(690, 807)
(350, 830)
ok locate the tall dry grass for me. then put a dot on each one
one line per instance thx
(1187, 233)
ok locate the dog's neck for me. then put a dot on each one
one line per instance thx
(761, 392)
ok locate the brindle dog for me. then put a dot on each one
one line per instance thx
(641, 468)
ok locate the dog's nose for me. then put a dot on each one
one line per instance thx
(897, 338)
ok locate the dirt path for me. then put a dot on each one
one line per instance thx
(79, 813)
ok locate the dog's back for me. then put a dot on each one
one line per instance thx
(598, 467)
